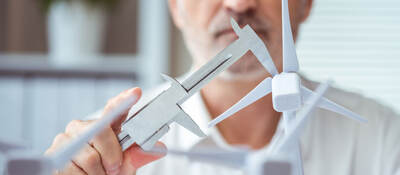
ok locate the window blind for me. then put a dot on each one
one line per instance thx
(357, 44)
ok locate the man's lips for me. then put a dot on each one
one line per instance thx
(225, 32)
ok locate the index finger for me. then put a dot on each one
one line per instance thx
(112, 103)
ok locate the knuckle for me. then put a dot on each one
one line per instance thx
(60, 138)
(108, 148)
(110, 105)
(92, 159)
(111, 101)
(72, 125)
(107, 131)
(116, 159)
(113, 155)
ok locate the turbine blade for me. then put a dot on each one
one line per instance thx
(61, 157)
(290, 62)
(186, 121)
(331, 106)
(258, 92)
(234, 159)
(263, 56)
(299, 160)
(293, 134)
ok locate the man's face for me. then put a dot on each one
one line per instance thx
(206, 27)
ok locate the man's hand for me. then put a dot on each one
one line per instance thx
(103, 154)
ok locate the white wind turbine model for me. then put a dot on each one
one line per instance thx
(274, 160)
(27, 163)
(288, 95)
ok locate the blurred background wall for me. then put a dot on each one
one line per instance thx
(354, 42)
(24, 27)
(40, 93)
(357, 43)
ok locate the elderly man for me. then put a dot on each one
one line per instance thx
(331, 144)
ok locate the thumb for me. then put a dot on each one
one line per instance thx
(135, 157)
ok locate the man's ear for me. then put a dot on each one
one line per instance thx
(308, 7)
(175, 14)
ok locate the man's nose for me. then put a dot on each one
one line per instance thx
(240, 6)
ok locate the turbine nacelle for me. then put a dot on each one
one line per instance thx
(286, 92)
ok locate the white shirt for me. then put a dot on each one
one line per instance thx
(331, 144)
